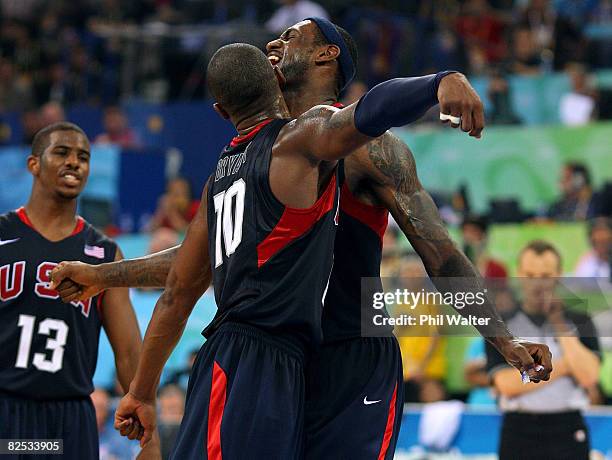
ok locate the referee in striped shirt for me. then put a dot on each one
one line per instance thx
(545, 421)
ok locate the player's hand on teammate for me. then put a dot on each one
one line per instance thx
(76, 281)
(136, 419)
(534, 359)
(460, 105)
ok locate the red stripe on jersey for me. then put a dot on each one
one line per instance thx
(99, 304)
(294, 223)
(79, 226)
(215, 412)
(389, 428)
(21, 213)
(250, 135)
(375, 217)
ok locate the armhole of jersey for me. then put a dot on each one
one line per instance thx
(375, 217)
(263, 182)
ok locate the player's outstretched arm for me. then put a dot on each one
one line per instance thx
(392, 170)
(327, 133)
(80, 281)
(189, 277)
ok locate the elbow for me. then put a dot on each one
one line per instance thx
(177, 300)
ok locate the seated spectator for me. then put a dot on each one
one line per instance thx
(175, 210)
(423, 349)
(51, 112)
(578, 106)
(526, 57)
(596, 262)
(292, 12)
(501, 101)
(113, 446)
(474, 230)
(576, 194)
(116, 129)
(31, 124)
(480, 28)
(171, 406)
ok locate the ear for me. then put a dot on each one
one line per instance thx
(327, 53)
(33, 163)
(280, 77)
(221, 111)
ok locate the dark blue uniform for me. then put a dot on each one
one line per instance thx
(49, 348)
(354, 384)
(271, 265)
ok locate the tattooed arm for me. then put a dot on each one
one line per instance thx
(387, 170)
(80, 281)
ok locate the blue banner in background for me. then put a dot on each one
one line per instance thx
(15, 179)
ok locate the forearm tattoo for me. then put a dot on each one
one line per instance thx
(418, 217)
(149, 271)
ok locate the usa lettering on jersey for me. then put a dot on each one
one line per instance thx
(12, 280)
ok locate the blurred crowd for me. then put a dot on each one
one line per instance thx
(99, 52)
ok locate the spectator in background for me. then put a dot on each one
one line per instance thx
(545, 420)
(15, 91)
(292, 12)
(576, 194)
(31, 124)
(113, 446)
(117, 130)
(539, 17)
(578, 106)
(526, 56)
(596, 262)
(482, 31)
(175, 209)
(474, 230)
(423, 349)
(501, 101)
(171, 407)
(51, 112)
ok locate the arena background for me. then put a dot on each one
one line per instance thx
(132, 75)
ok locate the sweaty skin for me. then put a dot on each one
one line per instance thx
(381, 173)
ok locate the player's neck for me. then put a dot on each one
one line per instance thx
(246, 122)
(53, 218)
(306, 96)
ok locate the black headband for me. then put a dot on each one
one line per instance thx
(329, 31)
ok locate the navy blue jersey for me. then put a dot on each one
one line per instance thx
(357, 254)
(49, 348)
(271, 263)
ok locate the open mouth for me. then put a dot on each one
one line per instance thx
(274, 59)
(71, 179)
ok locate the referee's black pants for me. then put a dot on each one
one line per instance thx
(558, 436)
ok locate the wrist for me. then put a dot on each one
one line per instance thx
(143, 393)
(438, 80)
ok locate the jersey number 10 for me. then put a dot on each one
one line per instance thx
(229, 210)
